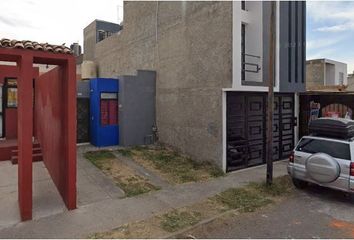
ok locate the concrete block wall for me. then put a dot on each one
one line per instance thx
(315, 73)
(89, 41)
(188, 44)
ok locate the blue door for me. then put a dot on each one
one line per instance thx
(104, 121)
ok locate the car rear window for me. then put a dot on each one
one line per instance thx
(334, 149)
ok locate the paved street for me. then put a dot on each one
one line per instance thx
(314, 213)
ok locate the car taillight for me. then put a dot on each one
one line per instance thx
(291, 157)
(352, 169)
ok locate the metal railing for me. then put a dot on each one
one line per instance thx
(244, 63)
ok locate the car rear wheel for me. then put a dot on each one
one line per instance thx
(299, 183)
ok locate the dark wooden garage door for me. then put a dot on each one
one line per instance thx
(283, 133)
(246, 125)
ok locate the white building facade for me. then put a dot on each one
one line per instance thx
(244, 105)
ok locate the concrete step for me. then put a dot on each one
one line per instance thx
(34, 150)
(36, 157)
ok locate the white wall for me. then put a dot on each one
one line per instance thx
(253, 18)
(338, 67)
(254, 38)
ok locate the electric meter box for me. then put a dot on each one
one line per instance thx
(104, 122)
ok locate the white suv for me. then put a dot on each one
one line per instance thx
(326, 161)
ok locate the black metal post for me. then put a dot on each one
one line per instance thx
(270, 97)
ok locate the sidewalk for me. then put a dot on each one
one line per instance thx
(93, 186)
(112, 212)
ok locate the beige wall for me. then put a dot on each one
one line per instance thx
(90, 41)
(315, 73)
(189, 45)
(350, 82)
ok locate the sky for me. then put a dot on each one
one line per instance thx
(330, 31)
(53, 21)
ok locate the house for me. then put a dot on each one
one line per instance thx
(350, 80)
(43, 115)
(95, 32)
(212, 61)
(325, 72)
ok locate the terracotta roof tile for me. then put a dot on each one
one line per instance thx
(26, 44)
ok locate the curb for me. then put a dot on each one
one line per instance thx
(205, 221)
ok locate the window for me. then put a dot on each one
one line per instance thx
(108, 34)
(341, 78)
(11, 93)
(243, 5)
(243, 52)
(334, 149)
(102, 34)
(109, 109)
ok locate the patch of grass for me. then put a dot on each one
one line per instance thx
(96, 157)
(254, 195)
(280, 186)
(140, 148)
(212, 169)
(125, 152)
(176, 167)
(124, 177)
(135, 187)
(176, 220)
(242, 199)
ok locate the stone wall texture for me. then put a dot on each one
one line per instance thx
(189, 45)
(315, 73)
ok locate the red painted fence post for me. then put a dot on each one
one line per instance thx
(70, 131)
(24, 126)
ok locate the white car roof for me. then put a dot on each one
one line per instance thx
(326, 139)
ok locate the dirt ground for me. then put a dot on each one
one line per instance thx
(163, 225)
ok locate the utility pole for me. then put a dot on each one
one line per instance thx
(270, 96)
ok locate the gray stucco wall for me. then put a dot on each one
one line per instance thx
(90, 41)
(83, 89)
(189, 45)
(292, 46)
(137, 108)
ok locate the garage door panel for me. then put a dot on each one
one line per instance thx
(275, 151)
(247, 120)
(237, 132)
(286, 131)
(255, 130)
(255, 105)
(276, 127)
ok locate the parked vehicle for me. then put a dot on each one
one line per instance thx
(326, 157)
